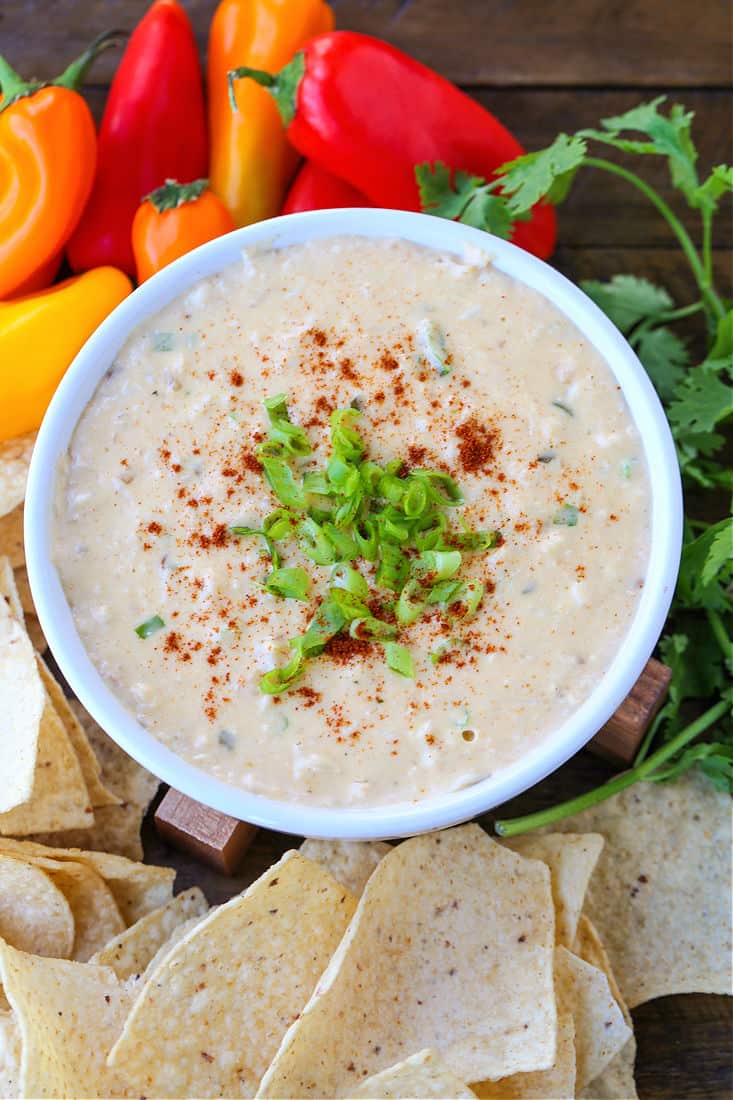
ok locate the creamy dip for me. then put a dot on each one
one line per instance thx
(529, 420)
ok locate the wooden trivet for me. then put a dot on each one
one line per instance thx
(221, 841)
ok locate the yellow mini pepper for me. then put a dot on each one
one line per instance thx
(40, 335)
(251, 161)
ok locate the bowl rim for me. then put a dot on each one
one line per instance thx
(403, 819)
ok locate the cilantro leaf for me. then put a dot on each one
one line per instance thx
(488, 212)
(664, 357)
(703, 559)
(468, 199)
(547, 174)
(628, 300)
(717, 184)
(722, 348)
(720, 552)
(702, 400)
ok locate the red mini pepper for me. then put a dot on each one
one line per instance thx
(314, 188)
(154, 128)
(368, 113)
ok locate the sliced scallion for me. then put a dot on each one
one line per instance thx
(150, 626)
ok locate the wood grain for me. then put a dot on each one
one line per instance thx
(639, 43)
(620, 739)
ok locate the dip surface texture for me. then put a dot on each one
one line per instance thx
(529, 421)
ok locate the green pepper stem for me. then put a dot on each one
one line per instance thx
(74, 74)
(518, 825)
(702, 279)
(282, 86)
(172, 194)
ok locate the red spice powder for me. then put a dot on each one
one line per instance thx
(477, 444)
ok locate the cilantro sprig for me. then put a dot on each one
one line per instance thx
(354, 511)
(698, 639)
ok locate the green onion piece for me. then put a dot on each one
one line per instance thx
(325, 624)
(399, 659)
(432, 343)
(343, 576)
(471, 597)
(271, 549)
(280, 524)
(408, 609)
(371, 474)
(372, 628)
(430, 531)
(567, 516)
(477, 540)
(441, 565)
(393, 567)
(282, 430)
(626, 467)
(348, 605)
(281, 479)
(563, 407)
(365, 537)
(342, 476)
(163, 341)
(280, 679)
(345, 547)
(447, 592)
(291, 584)
(345, 440)
(315, 544)
(393, 527)
(150, 626)
(415, 499)
(441, 487)
(392, 488)
(315, 481)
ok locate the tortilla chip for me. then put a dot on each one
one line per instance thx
(422, 1075)
(176, 936)
(351, 862)
(660, 895)
(10, 1054)
(136, 887)
(600, 1029)
(59, 798)
(69, 1014)
(131, 951)
(558, 1082)
(123, 775)
(571, 859)
(99, 795)
(34, 914)
(15, 458)
(451, 948)
(116, 829)
(11, 537)
(617, 1078)
(23, 700)
(220, 1002)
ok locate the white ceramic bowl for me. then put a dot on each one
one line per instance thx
(77, 388)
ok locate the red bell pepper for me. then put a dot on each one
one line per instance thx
(316, 189)
(368, 113)
(153, 129)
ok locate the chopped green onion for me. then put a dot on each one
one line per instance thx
(439, 564)
(626, 468)
(280, 679)
(365, 536)
(565, 408)
(471, 597)
(447, 592)
(343, 576)
(271, 549)
(399, 659)
(345, 547)
(567, 516)
(280, 524)
(345, 440)
(281, 479)
(372, 628)
(163, 341)
(442, 488)
(477, 540)
(408, 610)
(150, 626)
(290, 584)
(315, 544)
(393, 568)
(432, 343)
(282, 430)
(315, 481)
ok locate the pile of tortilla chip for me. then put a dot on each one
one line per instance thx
(64, 782)
(450, 965)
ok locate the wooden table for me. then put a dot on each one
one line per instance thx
(542, 66)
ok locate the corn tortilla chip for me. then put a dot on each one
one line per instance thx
(450, 948)
(176, 936)
(131, 951)
(241, 976)
(59, 797)
(571, 859)
(116, 829)
(136, 887)
(23, 700)
(600, 1029)
(660, 895)
(421, 1075)
(11, 537)
(90, 768)
(69, 1014)
(15, 458)
(351, 862)
(123, 775)
(34, 914)
(556, 1083)
(617, 1079)
(10, 1054)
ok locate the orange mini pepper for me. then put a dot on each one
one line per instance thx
(48, 150)
(251, 161)
(40, 335)
(172, 220)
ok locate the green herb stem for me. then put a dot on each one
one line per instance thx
(702, 277)
(721, 634)
(518, 825)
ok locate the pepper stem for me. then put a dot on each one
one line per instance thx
(172, 194)
(282, 86)
(12, 84)
(73, 75)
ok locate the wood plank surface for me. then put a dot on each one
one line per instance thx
(542, 66)
(637, 43)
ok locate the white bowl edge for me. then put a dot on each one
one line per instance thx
(80, 382)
